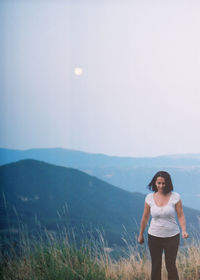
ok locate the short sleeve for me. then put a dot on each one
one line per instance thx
(176, 197)
(148, 199)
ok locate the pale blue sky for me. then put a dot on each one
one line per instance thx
(139, 94)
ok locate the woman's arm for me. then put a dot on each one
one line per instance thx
(143, 223)
(181, 219)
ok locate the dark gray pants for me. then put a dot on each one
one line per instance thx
(170, 247)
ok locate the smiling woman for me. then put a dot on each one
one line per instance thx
(163, 233)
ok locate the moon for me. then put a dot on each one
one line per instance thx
(78, 71)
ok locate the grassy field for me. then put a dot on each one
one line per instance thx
(52, 258)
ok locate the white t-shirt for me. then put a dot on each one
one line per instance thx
(163, 223)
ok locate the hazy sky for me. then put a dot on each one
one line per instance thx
(138, 95)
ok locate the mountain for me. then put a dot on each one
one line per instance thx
(131, 174)
(60, 196)
(78, 159)
(39, 189)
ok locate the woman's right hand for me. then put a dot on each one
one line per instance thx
(140, 239)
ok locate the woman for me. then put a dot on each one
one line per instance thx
(163, 233)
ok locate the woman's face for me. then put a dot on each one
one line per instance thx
(160, 183)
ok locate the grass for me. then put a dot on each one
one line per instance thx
(52, 257)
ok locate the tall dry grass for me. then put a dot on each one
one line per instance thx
(58, 258)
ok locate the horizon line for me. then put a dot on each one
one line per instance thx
(97, 153)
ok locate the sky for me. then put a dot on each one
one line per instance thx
(139, 91)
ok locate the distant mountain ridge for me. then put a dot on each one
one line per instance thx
(79, 159)
(132, 174)
(60, 196)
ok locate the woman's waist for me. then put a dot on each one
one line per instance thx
(163, 224)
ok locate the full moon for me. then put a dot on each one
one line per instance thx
(78, 71)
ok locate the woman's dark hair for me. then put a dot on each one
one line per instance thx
(168, 182)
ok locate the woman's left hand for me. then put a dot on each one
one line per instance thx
(185, 234)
